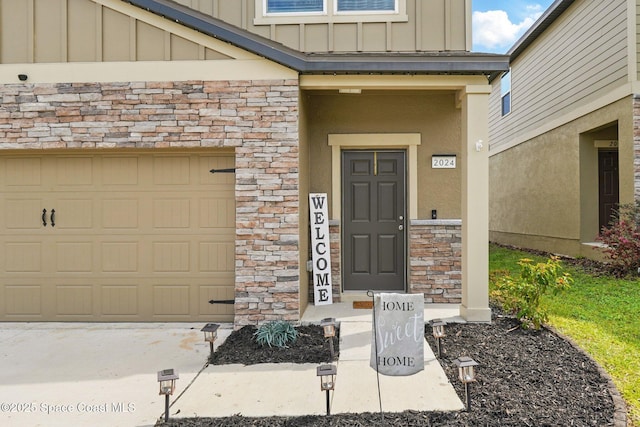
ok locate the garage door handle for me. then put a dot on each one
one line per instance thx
(53, 217)
(44, 217)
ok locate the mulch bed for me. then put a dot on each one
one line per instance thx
(525, 378)
(310, 347)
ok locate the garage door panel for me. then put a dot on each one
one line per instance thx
(171, 170)
(120, 170)
(74, 257)
(224, 179)
(219, 292)
(22, 171)
(23, 257)
(217, 256)
(119, 257)
(74, 171)
(137, 237)
(119, 300)
(171, 300)
(22, 300)
(23, 214)
(217, 213)
(171, 213)
(171, 257)
(120, 213)
(74, 300)
(72, 214)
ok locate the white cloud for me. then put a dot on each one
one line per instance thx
(493, 30)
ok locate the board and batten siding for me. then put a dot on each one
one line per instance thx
(580, 57)
(58, 31)
(434, 25)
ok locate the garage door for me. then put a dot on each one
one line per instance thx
(116, 237)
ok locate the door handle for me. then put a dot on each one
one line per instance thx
(53, 217)
(44, 217)
(401, 227)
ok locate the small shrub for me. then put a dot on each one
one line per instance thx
(277, 333)
(521, 296)
(622, 240)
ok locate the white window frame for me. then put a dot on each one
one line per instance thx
(506, 90)
(330, 14)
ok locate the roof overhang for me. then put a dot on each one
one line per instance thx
(307, 63)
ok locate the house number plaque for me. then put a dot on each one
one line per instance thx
(443, 161)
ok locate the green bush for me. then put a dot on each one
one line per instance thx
(277, 333)
(521, 296)
(622, 240)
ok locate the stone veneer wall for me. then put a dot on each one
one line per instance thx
(257, 118)
(435, 251)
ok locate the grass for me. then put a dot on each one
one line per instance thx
(601, 314)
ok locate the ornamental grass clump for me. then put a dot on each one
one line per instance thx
(277, 333)
(622, 240)
(521, 296)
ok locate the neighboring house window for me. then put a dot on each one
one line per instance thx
(505, 92)
(270, 12)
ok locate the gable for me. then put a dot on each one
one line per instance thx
(58, 31)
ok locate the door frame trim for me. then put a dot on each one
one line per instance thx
(374, 141)
(408, 142)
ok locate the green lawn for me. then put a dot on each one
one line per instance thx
(601, 314)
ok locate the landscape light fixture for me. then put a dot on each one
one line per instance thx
(167, 379)
(210, 333)
(327, 374)
(467, 375)
(438, 333)
(329, 327)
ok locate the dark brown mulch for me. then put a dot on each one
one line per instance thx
(310, 347)
(525, 378)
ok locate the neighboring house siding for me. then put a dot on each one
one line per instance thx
(433, 25)
(582, 56)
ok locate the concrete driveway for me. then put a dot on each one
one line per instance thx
(94, 374)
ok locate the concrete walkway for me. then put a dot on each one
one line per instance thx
(104, 374)
(294, 389)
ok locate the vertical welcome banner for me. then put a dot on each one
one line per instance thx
(320, 249)
(398, 334)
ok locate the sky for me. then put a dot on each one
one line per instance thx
(498, 24)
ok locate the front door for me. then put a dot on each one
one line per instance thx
(609, 187)
(374, 218)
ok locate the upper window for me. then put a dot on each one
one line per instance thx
(306, 6)
(366, 5)
(324, 11)
(505, 92)
(294, 6)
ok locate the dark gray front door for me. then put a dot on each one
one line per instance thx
(609, 185)
(374, 213)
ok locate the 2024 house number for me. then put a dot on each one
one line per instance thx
(443, 162)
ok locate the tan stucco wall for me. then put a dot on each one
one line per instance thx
(431, 114)
(544, 192)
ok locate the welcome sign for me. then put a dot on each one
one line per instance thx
(320, 254)
(398, 334)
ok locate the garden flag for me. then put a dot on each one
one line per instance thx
(398, 334)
